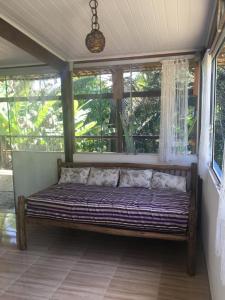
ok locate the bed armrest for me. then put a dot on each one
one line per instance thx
(21, 223)
(192, 226)
(193, 209)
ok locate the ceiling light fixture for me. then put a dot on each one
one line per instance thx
(95, 40)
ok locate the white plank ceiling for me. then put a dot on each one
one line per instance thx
(131, 27)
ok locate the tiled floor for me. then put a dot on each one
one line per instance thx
(65, 264)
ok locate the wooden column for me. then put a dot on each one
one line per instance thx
(68, 112)
(118, 89)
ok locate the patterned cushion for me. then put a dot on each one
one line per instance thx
(167, 181)
(104, 177)
(74, 175)
(135, 178)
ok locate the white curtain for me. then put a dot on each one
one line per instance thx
(174, 109)
(220, 230)
(204, 144)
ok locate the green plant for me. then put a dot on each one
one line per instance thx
(81, 114)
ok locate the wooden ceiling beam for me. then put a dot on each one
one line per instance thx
(21, 40)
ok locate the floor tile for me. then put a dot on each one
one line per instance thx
(86, 283)
(60, 262)
(8, 296)
(17, 256)
(11, 269)
(68, 295)
(95, 267)
(37, 281)
(63, 264)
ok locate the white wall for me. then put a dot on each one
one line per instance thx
(209, 215)
(129, 158)
(34, 171)
(115, 157)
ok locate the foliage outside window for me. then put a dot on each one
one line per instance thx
(192, 108)
(30, 115)
(141, 110)
(219, 111)
(94, 111)
(99, 116)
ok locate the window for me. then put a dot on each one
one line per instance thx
(95, 114)
(141, 110)
(193, 106)
(130, 122)
(31, 114)
(219, 111)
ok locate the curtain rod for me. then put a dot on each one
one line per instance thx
(133, 60)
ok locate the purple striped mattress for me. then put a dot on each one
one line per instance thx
(132, 208)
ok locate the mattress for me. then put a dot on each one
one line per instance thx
(131, 208)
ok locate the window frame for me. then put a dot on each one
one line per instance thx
(11, 100)
(214, 166)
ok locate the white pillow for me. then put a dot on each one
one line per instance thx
(104, 177)
(135, 178)
(167, 181)
(74, 175)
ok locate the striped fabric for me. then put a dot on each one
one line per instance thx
(133, 208)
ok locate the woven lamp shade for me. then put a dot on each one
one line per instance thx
(95, 41)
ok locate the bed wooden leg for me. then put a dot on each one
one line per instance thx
(21, 236)
(191, 259)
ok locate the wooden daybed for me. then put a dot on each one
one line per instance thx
(188, 236)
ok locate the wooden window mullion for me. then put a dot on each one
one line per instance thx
(118, 89)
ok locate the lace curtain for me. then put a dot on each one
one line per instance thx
(220, 229)
(174, 109)
(204, 144)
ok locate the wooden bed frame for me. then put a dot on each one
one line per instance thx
(189, 237)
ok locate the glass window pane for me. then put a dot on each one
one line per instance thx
(95, 113)
(29, 87)
(87, 115)
(146, 80)
(146, 145)
(4, 120)
(102, 145)
(141, 124)
(29, 120)
(2, 88)
(192, 112)
(94, 84)
(5, 153)
(140, 81)
(87, 85)
(49, 144)
(141, 110)
(35, 118)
